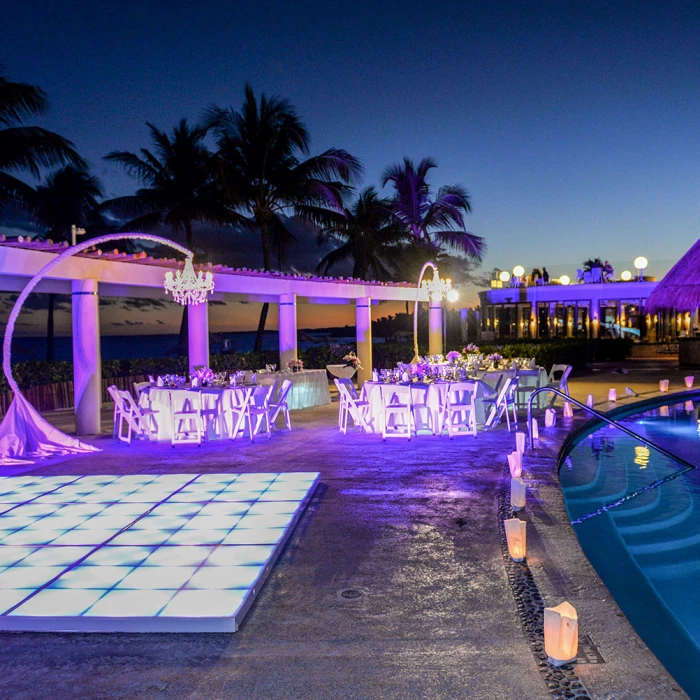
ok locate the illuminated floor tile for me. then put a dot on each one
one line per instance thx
(224, 577)
(53, 602)
(177, 552)
(204, 604)
(124, 603)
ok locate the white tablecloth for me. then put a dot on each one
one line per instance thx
(213, 398)
(437, 391)
(435, 398)
(309, 387)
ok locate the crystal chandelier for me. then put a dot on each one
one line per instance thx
(438, 289)
(188, 287)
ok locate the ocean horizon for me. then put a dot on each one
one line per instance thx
(128, 347)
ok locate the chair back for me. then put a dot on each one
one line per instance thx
(347, 383)
(151, 380)
(462, 393)
(275, 387)
(557, 372)
(395, 395)
(419, 395)
(138, 387)
(503, 391)
(260, 396)
(113, 391)
(597, 275)
(284, 392)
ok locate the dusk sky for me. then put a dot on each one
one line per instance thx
(574, 125)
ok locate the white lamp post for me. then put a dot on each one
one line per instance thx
(626, 276)
(641, 263)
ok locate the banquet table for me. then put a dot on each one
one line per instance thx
(437, 391)
(160, 399)
(309, 387)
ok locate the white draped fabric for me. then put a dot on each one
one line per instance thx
(341, 371)
(26, 435)
(437, 391)
(309, 387)
(213, 400)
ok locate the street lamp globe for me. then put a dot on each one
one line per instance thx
(452, 295)
(641, 263)
(518, 270)
(565, 279)
(626, 276)
(504, 276)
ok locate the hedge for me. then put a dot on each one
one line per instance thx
(578, 353)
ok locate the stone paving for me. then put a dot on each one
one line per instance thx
(413, 526)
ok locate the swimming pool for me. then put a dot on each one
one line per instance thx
(646, 547)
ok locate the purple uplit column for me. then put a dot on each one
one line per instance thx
(363, 330)
(287, 329)
(198, 335)
(435, 327)
(87, 363)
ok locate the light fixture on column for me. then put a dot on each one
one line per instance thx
(437, 289)
(188, 287)
(641, 263)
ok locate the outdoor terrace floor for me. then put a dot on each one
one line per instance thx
(411, 524)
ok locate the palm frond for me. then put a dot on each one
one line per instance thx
(19, 101)
(32, 148)
(462, 242)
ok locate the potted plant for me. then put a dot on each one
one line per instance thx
(295, 365)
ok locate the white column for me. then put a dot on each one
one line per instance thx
(287, 328)
(435, 327)
(87, 363)
(198, 335)
(363, 329)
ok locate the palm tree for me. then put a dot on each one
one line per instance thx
(26, 148)
(178, 187)
(368, 236)
(177, 182)
(263, 177)
(67, 197)
(435, 221)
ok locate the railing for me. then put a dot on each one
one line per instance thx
(600, 416)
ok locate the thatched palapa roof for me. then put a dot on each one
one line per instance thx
(680, 288)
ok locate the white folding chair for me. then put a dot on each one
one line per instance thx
(342, 405)
(258, 411)
(211, 411)
(460, 409)
(396, 405)
(234, 409)
(422, 414)
(279, 405)
(138, 421)
(356, 408)
(138, 386)
(559, 379)
(186, 420)
(496, 404)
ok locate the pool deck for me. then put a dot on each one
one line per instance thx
(413, 525)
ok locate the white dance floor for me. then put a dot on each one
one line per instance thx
(141, 553)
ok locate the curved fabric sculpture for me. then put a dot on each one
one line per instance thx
(24, 434)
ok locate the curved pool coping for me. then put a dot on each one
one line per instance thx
(648, 613)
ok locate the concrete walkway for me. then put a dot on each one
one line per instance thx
(412, 526)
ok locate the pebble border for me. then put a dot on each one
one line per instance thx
(562, 682)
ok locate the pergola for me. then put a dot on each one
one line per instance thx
(88, 275)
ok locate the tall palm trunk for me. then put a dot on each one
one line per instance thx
(265, 234)
(49, 329)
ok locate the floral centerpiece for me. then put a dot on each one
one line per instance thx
(173, 381)
(453, 357)
(494, 359)
(471, 349)
(352, 360)
(295, 365)
(205, 376)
